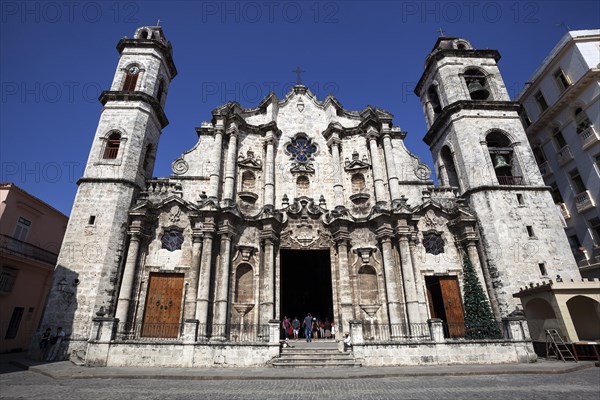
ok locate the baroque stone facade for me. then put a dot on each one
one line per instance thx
(296, 206)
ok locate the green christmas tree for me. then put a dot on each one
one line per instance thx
(479, 320)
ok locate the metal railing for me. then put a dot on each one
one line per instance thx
(511, 180)
(236, 333)
(474, 331)
(144, 331)
(374, 332)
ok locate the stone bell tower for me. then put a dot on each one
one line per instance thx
(121, 158)
(479, 146)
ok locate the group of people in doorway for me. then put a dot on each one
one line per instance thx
(50, 344)
(310, 328)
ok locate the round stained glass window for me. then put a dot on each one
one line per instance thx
(301, 149)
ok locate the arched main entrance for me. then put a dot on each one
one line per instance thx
(306, 285)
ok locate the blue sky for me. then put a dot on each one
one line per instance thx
(58, 56)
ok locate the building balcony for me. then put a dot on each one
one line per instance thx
(10, 245)
(584, 201)
(545, 169)
(589, 137)
(511, 180)
(564, 155)
(564, 211)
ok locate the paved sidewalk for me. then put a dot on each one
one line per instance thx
(68, 370)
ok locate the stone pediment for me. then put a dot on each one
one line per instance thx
(356, 164)
(449, 207)
(250, 161)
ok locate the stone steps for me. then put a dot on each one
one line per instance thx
(311, 355)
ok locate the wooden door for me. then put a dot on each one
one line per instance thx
(453, 306)
(163, 306)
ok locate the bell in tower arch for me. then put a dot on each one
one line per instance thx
(477, 91)
(501, 165)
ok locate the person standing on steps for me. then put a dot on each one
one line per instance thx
(296, 327)
(307, 324)
(286, 327)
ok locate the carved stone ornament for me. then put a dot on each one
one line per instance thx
(303, 206)
(175, 215)
(180, 166)
(431, 220)
(365, 253)
(370, 309)
(305, 237)
(246, 252)
(423, 172)
(250, 161)
(356, 164)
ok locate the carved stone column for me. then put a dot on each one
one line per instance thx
(192, 292)
(410, 285)
(215, 158)
(270, 169)
(230, 169)
(338, 187)
(267, 287)
(443, 175)
(129, 273)
(393, 289)
(376, 167)
(344, 289)
(204, 278)
(391, 168)
(423, 307)
(222, 282)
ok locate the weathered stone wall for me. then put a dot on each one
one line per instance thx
(512, 255)
(482, 352)
(177, 355)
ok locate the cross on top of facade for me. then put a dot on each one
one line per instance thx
(298, 71)
(441, 32)
(158, 22)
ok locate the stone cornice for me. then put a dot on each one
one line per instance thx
(166, 50)
(125, 182)
(432, 134)
(437, 55)
(120, 95)
(519, 188)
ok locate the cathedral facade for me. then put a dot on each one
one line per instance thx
(298, 205)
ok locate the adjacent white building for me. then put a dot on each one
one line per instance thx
(561, 113)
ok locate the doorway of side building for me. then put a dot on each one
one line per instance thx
(445, 303)
(306, 284)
